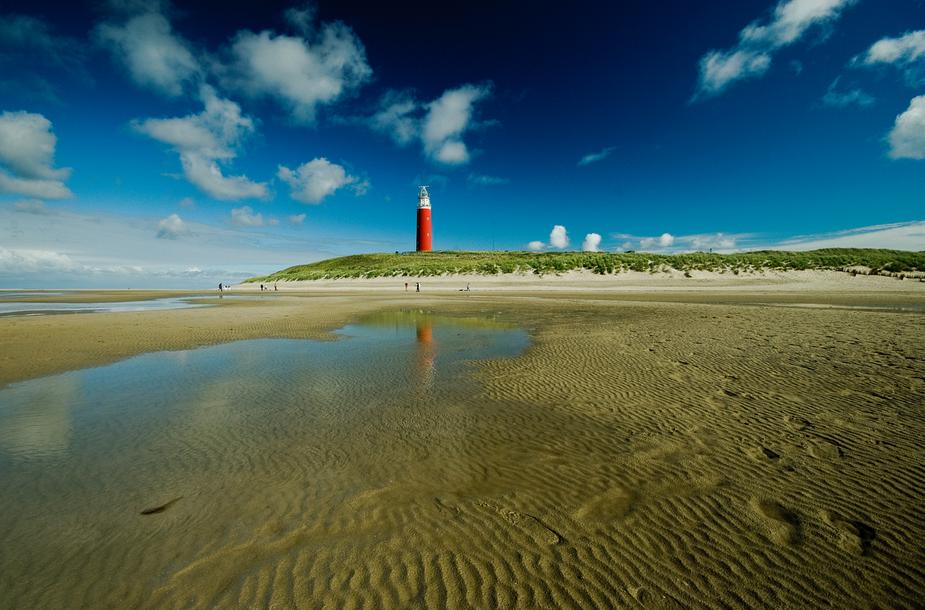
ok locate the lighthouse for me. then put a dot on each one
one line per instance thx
(425, 228)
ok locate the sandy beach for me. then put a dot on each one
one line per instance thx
(662, 442)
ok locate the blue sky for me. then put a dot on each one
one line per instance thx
(154, 144)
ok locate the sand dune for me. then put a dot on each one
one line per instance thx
(659, 454)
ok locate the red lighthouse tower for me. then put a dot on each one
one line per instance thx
(425, 228)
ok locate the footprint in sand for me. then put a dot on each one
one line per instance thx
(855, 537)
(783, 524)
(796, 423)
(533, 527)
(615, 503)
(824, 449)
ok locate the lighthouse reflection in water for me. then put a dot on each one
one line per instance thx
(439, 347)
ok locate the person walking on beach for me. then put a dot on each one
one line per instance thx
(418, 287)
(406, 286)
(275, 288)
(219, 287)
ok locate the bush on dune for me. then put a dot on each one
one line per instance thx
(604, 263)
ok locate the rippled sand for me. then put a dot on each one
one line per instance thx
(662, 454)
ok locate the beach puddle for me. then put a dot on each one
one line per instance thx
(10, 308)
(172, 458)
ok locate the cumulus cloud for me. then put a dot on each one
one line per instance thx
(714, 241)
(300, 72)
(171, 227)
(312, 182)
(665, 240)
(535, 246)
(592, 243)
(842, 99)
(595, 157)
(558, 237)
(153, 54)
(907, 138)
(245, 217)
(448, 117)
(483, 180)
(203, 141)
(438, 125)
(27, 151)
(297, 219)
(751, 56)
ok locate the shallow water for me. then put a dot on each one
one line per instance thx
(146, 464)
(22, 308)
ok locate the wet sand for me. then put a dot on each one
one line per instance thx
(663, 449)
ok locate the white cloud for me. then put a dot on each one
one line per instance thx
(396, 117)
(718, 69)
(558, 238)
(448, 118)
(904, 49)
(483, 180)
(27, 151)
(171, 227)
(153, 54)
(312, 182)
(302, 73)
(205, 139)
(592, 243)
(842, 99)
(116, 250)
(751, 56)
(297, 219)
(907, 138)
(188, 203)
(32, 206)
(665, 240)
(34, 261)
(536, 246)
(245, 217)
(595, 157)
(896, 236)
(715, 241)
(439, 125)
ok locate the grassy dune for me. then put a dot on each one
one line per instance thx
(491, 263)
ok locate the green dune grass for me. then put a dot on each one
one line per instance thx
(492, 263)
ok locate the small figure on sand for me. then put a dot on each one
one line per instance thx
(418, 287)
(406, 286)
(261, 288)
(219, 287)
(275, 288)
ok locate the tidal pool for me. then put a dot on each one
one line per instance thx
(27, 308)
(169, 477)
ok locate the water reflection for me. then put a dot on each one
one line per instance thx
(426, 356)
(35, 421)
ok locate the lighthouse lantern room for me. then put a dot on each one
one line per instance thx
(425, 241)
